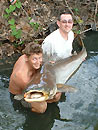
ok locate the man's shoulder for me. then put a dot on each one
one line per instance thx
(71, 33)
(22, 57)
(20, 61)
(52, 35)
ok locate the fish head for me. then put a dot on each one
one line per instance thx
(39, 92)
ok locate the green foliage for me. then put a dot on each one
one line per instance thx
(11, 21)
(18, 33)
(12, 27)
(17, 44)
(21, 43)
(76, 10)
(9, 16)
(35, 25)
(18, 4)
(10, 9)
(78, 32)
(6, 16)
(15, 32)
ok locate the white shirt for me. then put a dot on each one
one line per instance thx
(56, 44)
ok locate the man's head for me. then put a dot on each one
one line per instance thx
(65, 22)
(34, 55)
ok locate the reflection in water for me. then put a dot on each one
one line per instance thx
(82, 107)
(8, 117)
(42, 121)
(75, 111)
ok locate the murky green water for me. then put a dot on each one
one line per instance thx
(75, 111)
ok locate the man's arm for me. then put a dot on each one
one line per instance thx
(16, 84)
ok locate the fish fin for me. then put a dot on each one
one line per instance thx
(18, 97)
(65, 88)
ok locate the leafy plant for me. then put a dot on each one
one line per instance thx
(76, 10)
(15, 32)
(18, 4)
(76, 31)
(35, 25)
(12, 8)
(11, 21)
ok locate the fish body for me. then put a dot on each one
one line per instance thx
(64, 69)
(46, 87)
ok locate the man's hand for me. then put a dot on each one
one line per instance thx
(56, 98)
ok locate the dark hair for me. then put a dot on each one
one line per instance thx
(63, 12)
(32, 48)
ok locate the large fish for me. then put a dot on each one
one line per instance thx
(53, 77)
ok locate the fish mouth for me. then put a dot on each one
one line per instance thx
(35, 96)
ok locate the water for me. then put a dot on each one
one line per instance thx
(75, 111)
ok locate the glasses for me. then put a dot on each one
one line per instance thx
(70, 21)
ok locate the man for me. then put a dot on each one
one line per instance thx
(59, 42)
(24, 69)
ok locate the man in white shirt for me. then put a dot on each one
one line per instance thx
(59, 42)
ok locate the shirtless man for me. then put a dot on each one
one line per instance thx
(25, 67)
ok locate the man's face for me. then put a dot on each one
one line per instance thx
(35, 60)
(66, 23)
